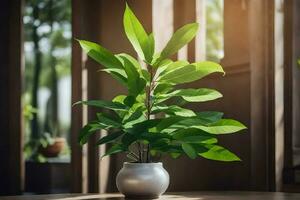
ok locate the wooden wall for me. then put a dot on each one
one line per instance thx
(10, 90)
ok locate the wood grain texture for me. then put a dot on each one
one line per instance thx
(10, 102)
(76, 114)
(175, 196)
(261, 30)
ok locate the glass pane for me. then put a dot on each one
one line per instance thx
(214, 30)
(47, 85)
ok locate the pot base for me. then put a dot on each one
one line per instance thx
(141, 197)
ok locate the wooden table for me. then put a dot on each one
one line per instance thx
(172, 196)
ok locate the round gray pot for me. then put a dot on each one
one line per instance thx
(142, 180)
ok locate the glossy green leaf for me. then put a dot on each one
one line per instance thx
(167, 122)
(141, 42)
(223, 126)
(175, 155)
(111, 137)
(171, 66)
(180, 38)
(218, 153)
(89, 130)
(191, 135)
(134, 82)
(129, 138)
(189, 150)
(173, 110)
(162, 88)
(117, 148)
(133, 118)
(194, 95)
(190, 73)
(209, 117)
(103, 104)
(100, 54)
(118, 74)
(108, 120)
(131, 59)
(151, 47)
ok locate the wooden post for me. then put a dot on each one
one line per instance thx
(185, 12)
(76, 114)
(261, 29)
(11, 167)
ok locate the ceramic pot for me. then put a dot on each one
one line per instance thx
(142, 180)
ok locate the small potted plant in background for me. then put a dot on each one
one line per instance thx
(130, 119)
(52, 143)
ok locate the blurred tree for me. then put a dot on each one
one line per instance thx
(214, 30)
(47, 27)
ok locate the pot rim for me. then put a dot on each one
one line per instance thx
(132, 164)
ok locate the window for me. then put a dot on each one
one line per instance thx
(47, 82)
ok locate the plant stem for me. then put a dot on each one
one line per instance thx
(140, 152)
(149, 107)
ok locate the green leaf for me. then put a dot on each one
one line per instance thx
(134, 82)
(89, 130)
(175, 155)
(172, 66)
(146, 75)
(191, 72)
(218, 153)
(100, 54)
(131, 59)
(108, 121)
(133, 118)
(141, 42)
(167, 122)
(191, 135)
(209, 117)
(129, 138)
(118, 74)
(180, 38)
(223, 126)
(151, 46)
(111, 137)
(117, 148)
(173, 110)
(162, 88)
(189, 150)
(103, 104)
(193, 95)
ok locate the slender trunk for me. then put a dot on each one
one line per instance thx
(35, 132)
(54, 83)
(54, 97)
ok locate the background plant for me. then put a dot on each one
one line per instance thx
(130, 119)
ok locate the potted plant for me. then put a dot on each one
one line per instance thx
(132, 122)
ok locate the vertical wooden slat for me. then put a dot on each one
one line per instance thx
(288, 83)
(11, 161)
(14, 97)
(278, 85)
(185, 12)
(261, 21)
(91, 30)
(76, 116)
(296, 81)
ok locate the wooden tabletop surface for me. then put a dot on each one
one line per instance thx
(172, 196)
